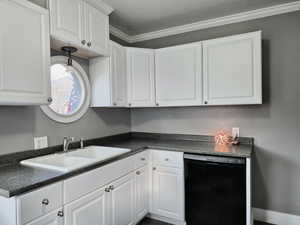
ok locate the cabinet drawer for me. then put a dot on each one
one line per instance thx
(167, 158)
(38, 203)
(90, 181)
(141, 159)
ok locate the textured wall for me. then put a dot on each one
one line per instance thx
(19, 124)
(275, 125)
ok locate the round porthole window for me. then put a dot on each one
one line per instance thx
(70, 91)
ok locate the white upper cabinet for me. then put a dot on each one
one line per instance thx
(24, 54)
(140, 76)
(108, 78)
(118, 72)
(67, 21)
(97, 30)
(81, 23)
(232, 70)
(178, 73)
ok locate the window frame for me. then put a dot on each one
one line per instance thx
(82, 76)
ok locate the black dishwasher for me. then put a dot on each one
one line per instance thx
(215, 190)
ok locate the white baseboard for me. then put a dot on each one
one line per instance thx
(165, 219)
(276, 218)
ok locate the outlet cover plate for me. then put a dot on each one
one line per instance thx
(40, 142)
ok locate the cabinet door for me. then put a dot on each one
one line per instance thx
(91, 209)
(142, 193)
(118, 73)
(140, 72)
(97, 30)
(168, 192)
(67, 20)
(24, 54)
(179, 75)
(232, 70)
(49, 219)
(122, 201)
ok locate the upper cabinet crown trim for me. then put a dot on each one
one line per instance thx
(204, 24)
(100, 5)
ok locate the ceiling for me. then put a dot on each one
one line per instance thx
(141, 16)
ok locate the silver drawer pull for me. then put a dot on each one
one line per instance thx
(60, 213)
(45, 201)
(154, 168)
(138, 173)
(166, 159)
(143, 159)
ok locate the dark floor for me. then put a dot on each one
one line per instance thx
(147, 221)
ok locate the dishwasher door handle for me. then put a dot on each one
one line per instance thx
(215, 159)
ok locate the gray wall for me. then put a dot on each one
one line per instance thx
(275, 125)
(19, 124)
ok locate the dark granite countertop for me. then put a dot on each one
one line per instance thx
(16, 179)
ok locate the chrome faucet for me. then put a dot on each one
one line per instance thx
(67, 141)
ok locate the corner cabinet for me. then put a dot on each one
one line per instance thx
(24, 54)
(178, 75)
(81, 23)
(232, 70)
(140, 77)
(108, 78)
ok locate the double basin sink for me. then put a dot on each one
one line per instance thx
(69, 161)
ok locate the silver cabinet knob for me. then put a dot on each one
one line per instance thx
(206, 102)
(111, 187)
(166, 159)
(83, 42)
(45, 201)
(129, 104)
(157, 104)
(138, 173)
(60, 213)
(49, 99)
(89, 44)
(114, 103)
(143, 159)
(154, 168)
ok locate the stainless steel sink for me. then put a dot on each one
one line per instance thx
(65, 162)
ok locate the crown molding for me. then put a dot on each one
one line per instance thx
(99, 4)
(204, 24)
(120, 34)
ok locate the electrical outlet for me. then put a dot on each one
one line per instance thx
(235, 132)
(40, 142)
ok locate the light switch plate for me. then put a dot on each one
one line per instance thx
(235, 132)
(40, 142)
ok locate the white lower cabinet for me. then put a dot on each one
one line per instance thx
(167, 192)
(141, 193)
(91, 209)
(52, 218)
(120, 193)
(122, 201)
